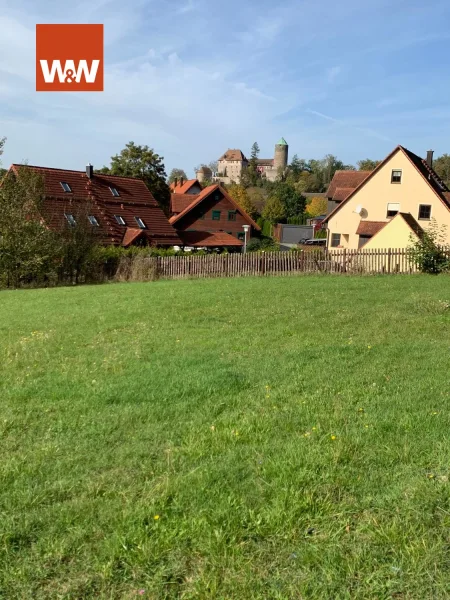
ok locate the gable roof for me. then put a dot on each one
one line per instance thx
(183, 189)
(204, 194)
(373, 227)
(234, 154)
(134, 200)
(421, 166)
(264, 161)
(346, 180)
(209, 239)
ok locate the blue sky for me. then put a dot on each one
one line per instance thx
(191, 78)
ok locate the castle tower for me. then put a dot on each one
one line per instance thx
(280, 159)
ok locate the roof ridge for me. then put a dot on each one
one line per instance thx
(75, 171)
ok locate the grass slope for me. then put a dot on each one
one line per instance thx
(241, 438)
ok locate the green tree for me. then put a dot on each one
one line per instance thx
(429, 251)
(176, 174)
(317, 206)
(2, 171)
(241, 197)
(251, 176)
(29, 250)
(142, 162)
(442, 167)
(274, 210)
(291, 199)
(367, 164)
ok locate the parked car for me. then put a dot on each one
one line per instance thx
(315, 242)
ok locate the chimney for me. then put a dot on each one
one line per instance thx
(181, 181)
(175, 182)
(430, 158)
(89, 171)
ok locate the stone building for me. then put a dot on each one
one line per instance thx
(231, 164)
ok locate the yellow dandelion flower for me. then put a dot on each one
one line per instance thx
(369, 347)
(333, 437)
(156, 517)
(314, 428)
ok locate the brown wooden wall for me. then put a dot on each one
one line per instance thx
(193, 220)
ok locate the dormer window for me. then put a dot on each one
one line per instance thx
(70, 219)
(93, 221)
(120, 220)
(114, 192)
(140, 222)
(65, 186)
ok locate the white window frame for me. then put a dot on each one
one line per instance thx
(392, 176)
(140, 223)
(93, 221)
(119, 220)
(70, 219)
(388, 210)
(419, 218)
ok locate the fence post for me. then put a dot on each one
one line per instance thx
(344, 259)
(389, 261)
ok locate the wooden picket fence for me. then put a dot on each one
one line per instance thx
(392, 261)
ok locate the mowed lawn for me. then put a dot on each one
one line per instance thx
(283, 438)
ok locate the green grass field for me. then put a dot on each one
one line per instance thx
(282, 438)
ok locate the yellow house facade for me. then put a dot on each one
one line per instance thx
(398, 199)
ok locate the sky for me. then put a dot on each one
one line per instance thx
(192, 78)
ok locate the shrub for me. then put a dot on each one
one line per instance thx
(428, 251)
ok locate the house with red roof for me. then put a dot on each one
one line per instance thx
(121, 209)
(390, 206)
(211, 219)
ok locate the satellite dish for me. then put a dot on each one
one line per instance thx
(358, 209)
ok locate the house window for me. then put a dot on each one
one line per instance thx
(232, 215)
(70, 220)
(65, 186)
(335, 240)
(241, 236)
(120, 220)
(114, 192)
(392, 209)
(93, 220)
(140, 222)
(396, 176)
(363, 239)
(425, 211)
(216, 215)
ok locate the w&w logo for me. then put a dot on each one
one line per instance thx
(69, 58)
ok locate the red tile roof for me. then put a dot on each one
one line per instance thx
(370, 227)
(342, 193)
(178, 202)
(183, 189)
(134, 200)
(198, 239)
(347, 180)
(204, 194)
(233, 155)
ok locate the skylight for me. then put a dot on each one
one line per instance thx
(120, 220)
(93, 220)
(70, 220)
(114, 191)
(65, 186)
(140, 222)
